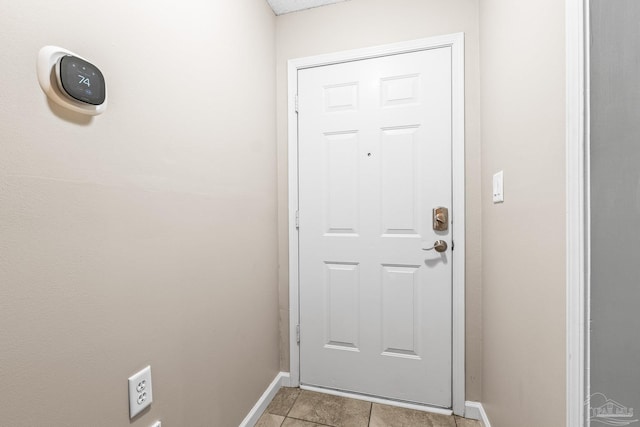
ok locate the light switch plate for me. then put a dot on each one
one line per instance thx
(498, 187)
(140, 392)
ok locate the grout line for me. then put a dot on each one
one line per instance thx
(287, 416)
(301, 419)
(310, 422)
(294, 402)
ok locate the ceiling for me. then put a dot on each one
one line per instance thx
(281, 7)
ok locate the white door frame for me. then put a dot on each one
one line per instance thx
(456, 42)
(577, 188)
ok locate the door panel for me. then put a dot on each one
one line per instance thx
(399, 181)
(374, 160)
(341, 292)
(400, 309)
(341, 188)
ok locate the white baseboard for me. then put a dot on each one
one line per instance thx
(380, 400)
(475, 411)
(285, 379)
(281, 380)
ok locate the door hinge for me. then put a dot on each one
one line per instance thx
(298, 334)
(453, 244)
(297, 219)
(297, 104)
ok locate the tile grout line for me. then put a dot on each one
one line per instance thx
(310, 422)
(288, 410)
(302, 419)
(369, 420)
(294, 402)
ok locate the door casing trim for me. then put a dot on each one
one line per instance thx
(577, 218)
(456, 43)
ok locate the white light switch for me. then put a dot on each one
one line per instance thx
(498, 187)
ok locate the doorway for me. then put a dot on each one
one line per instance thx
(376, 142)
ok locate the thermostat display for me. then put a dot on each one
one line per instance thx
(71, 81)
(80, 80)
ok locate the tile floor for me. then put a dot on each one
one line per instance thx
(293, 407)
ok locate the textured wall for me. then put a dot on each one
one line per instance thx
(145, 235)
(364, 23)
(523, 246)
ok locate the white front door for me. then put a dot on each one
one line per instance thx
(375, 141)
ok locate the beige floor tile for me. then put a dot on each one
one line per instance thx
(283, 401)
(331, 410)
(270, 420)
(392, 416)
(292, 422)
(464, 422)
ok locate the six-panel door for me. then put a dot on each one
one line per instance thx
(374, 160)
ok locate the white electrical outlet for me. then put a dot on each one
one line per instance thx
(140, 393)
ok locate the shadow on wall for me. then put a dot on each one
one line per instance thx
(68, 115)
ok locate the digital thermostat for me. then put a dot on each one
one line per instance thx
(71, 81)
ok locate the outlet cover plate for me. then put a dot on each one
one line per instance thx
(140, 392)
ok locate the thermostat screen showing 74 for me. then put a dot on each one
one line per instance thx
(81, 80)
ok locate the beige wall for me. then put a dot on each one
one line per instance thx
(148, 234)
(523, 125)
(362, 23)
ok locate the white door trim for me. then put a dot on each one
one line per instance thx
(456, 42)
(577, 210)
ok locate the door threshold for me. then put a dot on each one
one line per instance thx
(381, 400)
